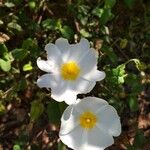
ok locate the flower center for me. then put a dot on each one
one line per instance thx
(87, 120)
(70, 70)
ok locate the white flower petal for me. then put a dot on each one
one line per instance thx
(47, 66)
(64, 94)
(68, 120)
(79, 50)
(64, 47)
(95, 75)
(109, 120)
(82, 85)
(90, 104)
(73, 139)
(47, 81)
(88, 62)
(53, 53)
(97, 139)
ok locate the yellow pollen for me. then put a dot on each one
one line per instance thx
(87, 120)
(70, 70)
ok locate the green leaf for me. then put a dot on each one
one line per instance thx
(5, 65)
(67, 32)
(85, 33)
(19, 54)
(106, 16)
(2, 108)
(129, 3)
(27, 67)
(123, 43)
(110, 52)
(109, 3)
(16, 147)
(3, 49)
(14, 27)
(139, 139)
(139, 65)
(133, 103)
(37, 109)
(53, 112)
(31, 46)
(49, 24)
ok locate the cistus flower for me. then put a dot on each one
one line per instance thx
(89, 124)
(71, 69)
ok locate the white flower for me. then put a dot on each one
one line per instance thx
(71, 69)
(89, 124)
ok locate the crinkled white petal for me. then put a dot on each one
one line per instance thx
(73, 139)
(95, 75)
(63, 45)
(82, 85)
(88, 62)
(97, 139)
(64, 94)
(53, 53)
(47, 81)
(89, 103)
(109, 120)
(79, 50)
(68, 120)
(47, 66)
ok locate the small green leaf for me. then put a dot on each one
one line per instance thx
(139, 65)
(5, 65)
(37, 109)
(19, 54)
(27, 67)
(109, 3)
(14, 27)
(106, 16)
(3, 49)
(139, 139)
(123, 43)
(67, 32)
(31, 46)
(49, 24)
(2, 108)
(53, 112)
(16, 147)
(133, 103)
(129, 3)
(85, 33)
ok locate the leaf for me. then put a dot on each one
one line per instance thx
(139, 65)
(2, 108)
(53, 112)
(85, 33)
(15, 27)
(139, 139)
(3, 49)
(67, 32)
(27, 67)
(129, 3)
(16, 147)
(106, 16)
(133, 103)
(37, 109)
(5, 65)
(123, 43)
(19, 54)
(31, 46)
(109, 3)
(50, 24)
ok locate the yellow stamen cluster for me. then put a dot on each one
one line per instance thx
(87, 120)
(70, 70)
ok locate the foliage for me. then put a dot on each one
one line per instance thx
(118, 30)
